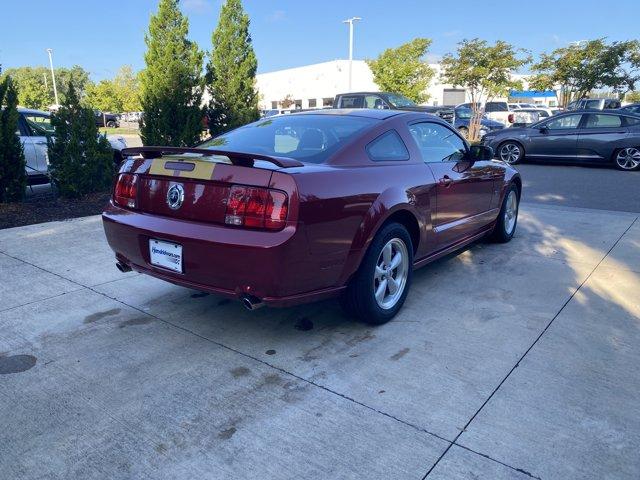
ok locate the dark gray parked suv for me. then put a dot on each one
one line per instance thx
(589, 136)
(594, 104)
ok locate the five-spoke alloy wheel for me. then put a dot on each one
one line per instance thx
(379, 288)
(390, 275)
(508, 217)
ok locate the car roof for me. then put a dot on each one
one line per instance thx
(33, 111)
(376, 113)
(366, 93)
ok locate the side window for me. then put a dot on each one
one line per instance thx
(628, 121)
(568, 121)
(387, 147)
(603, 121)
(437, 143)
(373, 101)
(351, 101)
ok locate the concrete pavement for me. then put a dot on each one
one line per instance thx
(508, 361)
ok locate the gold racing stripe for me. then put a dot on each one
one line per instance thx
(202, 170)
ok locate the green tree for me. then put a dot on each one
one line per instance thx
(485, 71)
(231, 72)
(121, 94)
(36, 92)
(633, 97)
(13, 178)
(171, 82)
(104, 96)
(30, 82)
(585, 66)
(404, 70)
(80, 160)
(127, 84)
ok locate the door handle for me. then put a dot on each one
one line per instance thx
(445, 181)
(40, 143)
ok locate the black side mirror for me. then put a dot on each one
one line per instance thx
(544, 129)
(480, 152)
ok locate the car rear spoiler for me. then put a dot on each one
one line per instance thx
(237, 158)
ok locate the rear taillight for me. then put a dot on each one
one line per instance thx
(511, 118)
(126, 190)
(256, 207)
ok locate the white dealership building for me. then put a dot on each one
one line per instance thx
(315, 86)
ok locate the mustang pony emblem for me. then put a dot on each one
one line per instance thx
(175, 196)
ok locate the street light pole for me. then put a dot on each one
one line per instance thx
(350, 21)
(53, 76)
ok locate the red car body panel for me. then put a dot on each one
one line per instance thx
(335, 210)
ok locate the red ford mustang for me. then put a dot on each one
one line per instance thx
(297, 208)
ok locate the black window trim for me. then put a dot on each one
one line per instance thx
(391, 131)
(464, 142)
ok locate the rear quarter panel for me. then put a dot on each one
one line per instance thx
(344, 203)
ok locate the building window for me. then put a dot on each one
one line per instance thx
(327, 102)
(312, 103)
(297, 104)
(274, 105)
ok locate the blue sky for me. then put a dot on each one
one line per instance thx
(102, 36)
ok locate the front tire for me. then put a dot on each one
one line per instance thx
(380, 286)
(511, 152)
(508, 217)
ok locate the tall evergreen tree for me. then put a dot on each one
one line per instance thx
(80, 160)
(171, 85)
(231, 71)
(13, 178)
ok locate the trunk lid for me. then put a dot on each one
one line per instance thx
(193, 187)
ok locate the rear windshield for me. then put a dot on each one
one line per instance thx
(308, 138)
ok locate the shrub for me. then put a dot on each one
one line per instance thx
(13, 178)
(80, 160)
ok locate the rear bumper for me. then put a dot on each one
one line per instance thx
(276, 267)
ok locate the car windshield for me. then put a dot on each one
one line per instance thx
(305, 137)
(464, 112)
(41, 124)
(400, 100)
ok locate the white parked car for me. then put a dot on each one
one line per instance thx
(500, 112)
(33, 127)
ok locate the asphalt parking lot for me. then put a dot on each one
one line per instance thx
(587, 186)
(508, 361)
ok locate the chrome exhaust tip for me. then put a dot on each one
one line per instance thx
(251, 303)
(124, 268)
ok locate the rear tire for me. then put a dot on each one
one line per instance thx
(111, 124)
(508, 217)
(627, 159)
(380, 286)
(510, 152)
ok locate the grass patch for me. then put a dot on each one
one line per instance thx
(120, 131)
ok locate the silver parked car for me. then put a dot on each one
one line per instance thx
(34, 126)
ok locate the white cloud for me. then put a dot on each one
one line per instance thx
(276, 16)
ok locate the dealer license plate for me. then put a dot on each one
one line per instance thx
(166, 255)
